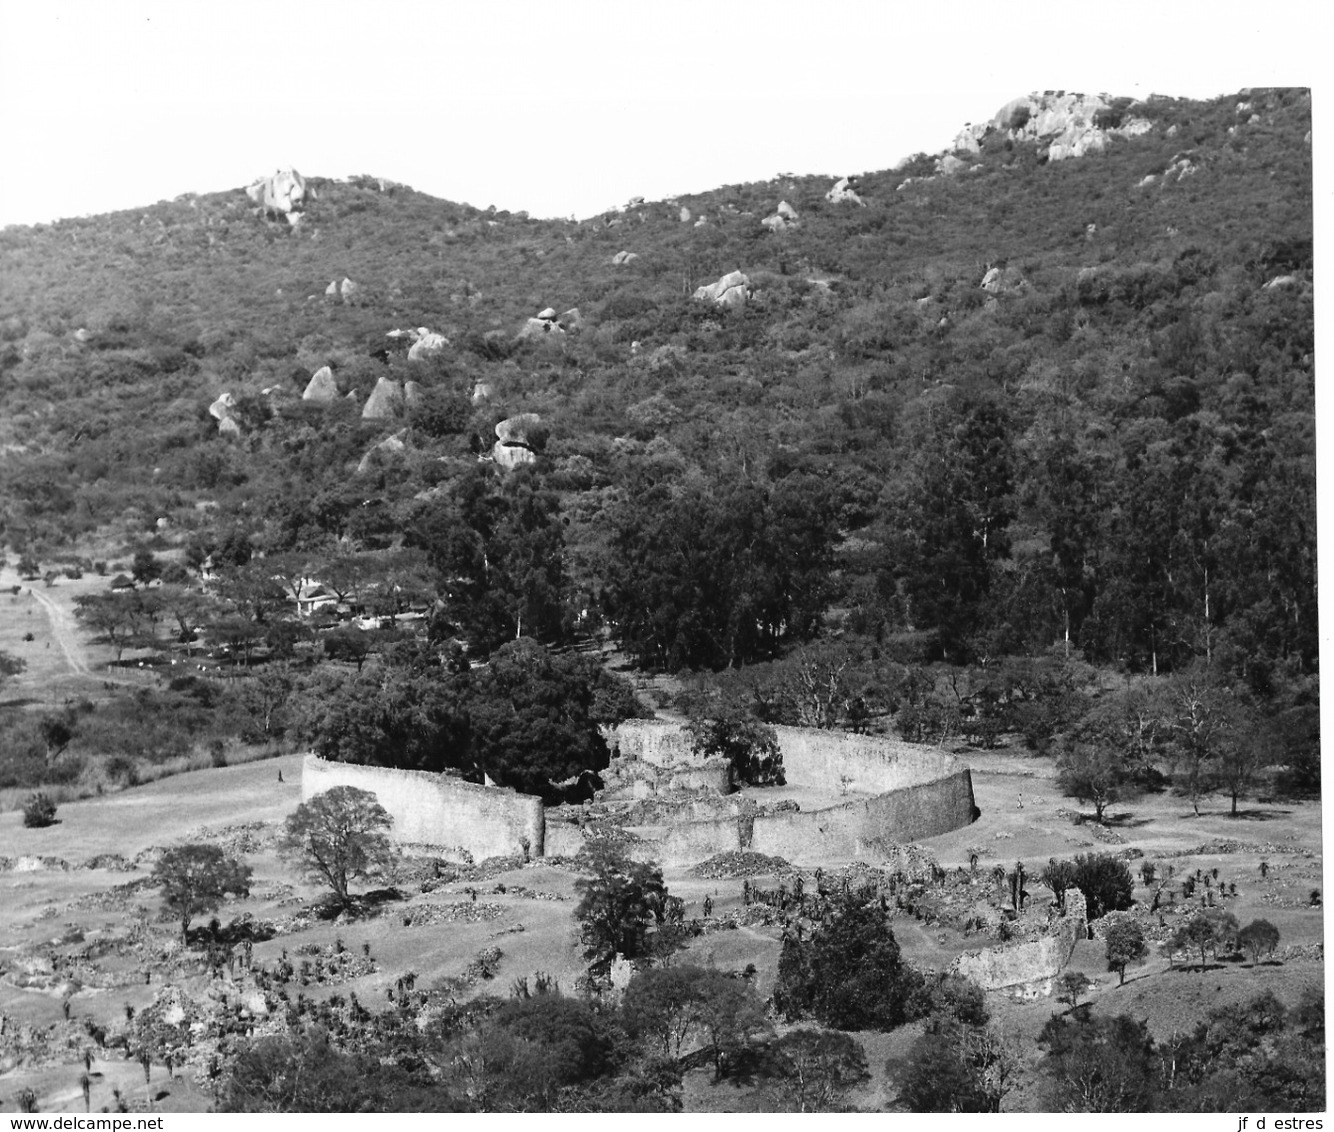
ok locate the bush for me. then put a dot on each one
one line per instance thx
(1105, 882)
(38, 811)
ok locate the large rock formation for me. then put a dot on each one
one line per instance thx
(322, 389)
(844, 193)
(517, 437)
(731, 290)
(1066, 124)
(283, 194)
(385, 401)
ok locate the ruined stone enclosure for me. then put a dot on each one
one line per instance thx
(847, 796)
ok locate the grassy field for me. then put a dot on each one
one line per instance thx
(44, 907)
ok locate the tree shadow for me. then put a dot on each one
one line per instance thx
(1126, 820)
(1258, 815)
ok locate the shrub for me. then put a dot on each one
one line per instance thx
(38, 811)
(1105, 882)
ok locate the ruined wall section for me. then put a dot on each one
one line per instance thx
(1027, 969)
(435, 809)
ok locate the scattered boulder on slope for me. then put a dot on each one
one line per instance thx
(731, 290)
(425, 343)
(844, 193)
(331, 291)
(223, 411)
(542, 326)
(385, 401)
(572, 319)
(412, 394)
(784, 217)
(387, 447)
(482, 391)
(623, 257)
(684, 215)
(322, 389)
(348, 290)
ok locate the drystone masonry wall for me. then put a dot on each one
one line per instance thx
(1027, 969)
(917, 793)
(434, 809)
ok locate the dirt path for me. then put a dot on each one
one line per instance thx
(65, 630)
(62, 626)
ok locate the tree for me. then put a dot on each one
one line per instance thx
(1125, 945)
(1208, 726)
(1096, 1064)
(336, 837)
(813, 1070)
(196, 879)
(1096, 773)
(849, 973)
(662, 1007)
(620, 902)
(1258, 936)
(1105, 882)
(532, 1047)
(956, 1067)
(9, 666)
(534, 720)
(749, 746)
(145, 568)
(1205, 933)
(39, 811)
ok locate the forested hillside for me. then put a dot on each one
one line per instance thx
(964, 450)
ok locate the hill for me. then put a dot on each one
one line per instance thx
(1053, 389)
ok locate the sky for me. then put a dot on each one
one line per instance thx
(570, 108)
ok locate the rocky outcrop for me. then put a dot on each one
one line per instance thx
(389, 446)
(426, 343)
(321, 388)
(283, 194)
(731, 290)
(684, 215)
(517, 438)
(223, 410)
(1067, 125)
(783, 218)
(623, 257)
(844, 193)
(413, 395)
(482, 391)
(543, 326)
(347, 290)
(385, 401)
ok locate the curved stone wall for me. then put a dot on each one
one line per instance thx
(435, 809)
(918, 793)
(915, 793)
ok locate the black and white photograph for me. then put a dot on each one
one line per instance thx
(712, 558)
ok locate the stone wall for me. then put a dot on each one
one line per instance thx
(434, 809)
(1027, 969)
(917, 792)
(906, 813)
(865, 763)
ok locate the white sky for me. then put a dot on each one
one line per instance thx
(569, 107)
